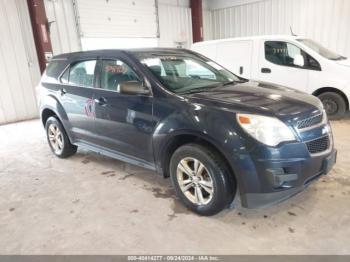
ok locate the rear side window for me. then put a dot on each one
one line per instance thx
(283, 53)
(80, 74)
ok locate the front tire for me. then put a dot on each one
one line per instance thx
(334, 105)
(58, 139)
(201, 179)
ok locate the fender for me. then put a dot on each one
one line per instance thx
(228, 144)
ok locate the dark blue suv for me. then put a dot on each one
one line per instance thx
(182, 115)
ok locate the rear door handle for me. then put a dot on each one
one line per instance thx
(63, 91)
(102, 101)
(265, 70)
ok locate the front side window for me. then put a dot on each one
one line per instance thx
(182, 73)
(80, 74)
(283, 53)
(116, 72)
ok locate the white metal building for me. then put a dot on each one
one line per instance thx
(84, 24)
(19, 69)
(325, 21)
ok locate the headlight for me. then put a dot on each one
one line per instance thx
(268, 130)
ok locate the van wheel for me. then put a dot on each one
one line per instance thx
(334, 104)
(201, 179)
(58, 139)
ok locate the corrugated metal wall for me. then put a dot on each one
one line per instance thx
(108, 19)
(63, 29)
(174, 17)
(208, 33)
(326, 21)
(175, 25)
(19, 69)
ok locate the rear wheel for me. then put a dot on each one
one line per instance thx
(58, 139)
(334, 104)
(201, 179)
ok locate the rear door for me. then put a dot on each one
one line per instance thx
(124, 122)
(277, 65)
(76, 96)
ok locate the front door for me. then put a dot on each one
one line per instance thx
(76, 96)
(124, 122)
(277, 65)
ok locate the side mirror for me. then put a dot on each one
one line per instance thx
(133, 88)
(299, 60)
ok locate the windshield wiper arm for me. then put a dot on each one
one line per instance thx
(193, 91)
(197, 90)
(229, 83)
(339, 58)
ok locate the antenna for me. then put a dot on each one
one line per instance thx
(291, 31)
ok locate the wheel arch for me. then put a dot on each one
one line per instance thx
(52, 107)
(46, 113)
(335, 90)
(180, 139)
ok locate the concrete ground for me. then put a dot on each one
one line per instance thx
(90, 204)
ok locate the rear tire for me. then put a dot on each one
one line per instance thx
(58, 139)
(201, 179)
(334, 105)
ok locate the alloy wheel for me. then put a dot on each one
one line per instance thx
(195, 181)
(56, 138)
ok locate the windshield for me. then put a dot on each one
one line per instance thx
(321, 50)
(186, 73)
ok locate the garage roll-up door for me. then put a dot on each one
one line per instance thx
(19, 68)
(117, 18)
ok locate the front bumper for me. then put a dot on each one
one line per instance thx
(272, 180)
(258, 200)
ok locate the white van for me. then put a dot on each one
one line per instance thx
(290, 61)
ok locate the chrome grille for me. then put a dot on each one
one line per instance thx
(310, 121)
(318, 145)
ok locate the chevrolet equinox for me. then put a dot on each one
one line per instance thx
(186, 117)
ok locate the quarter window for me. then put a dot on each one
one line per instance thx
(81, 74)
(114, 73)
(283, 53)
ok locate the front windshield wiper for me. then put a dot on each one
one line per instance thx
(195, 90)
(233, 82)
(229, 83)
(204, 89)
(339, 58)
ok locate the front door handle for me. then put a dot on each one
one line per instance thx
(102, 101)
(265, 70)
(63, 91)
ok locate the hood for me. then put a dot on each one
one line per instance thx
(259, 97)
(345, 62)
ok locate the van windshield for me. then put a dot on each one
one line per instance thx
(326, 53)
(186, 73)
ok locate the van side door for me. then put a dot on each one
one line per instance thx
(236, 56)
